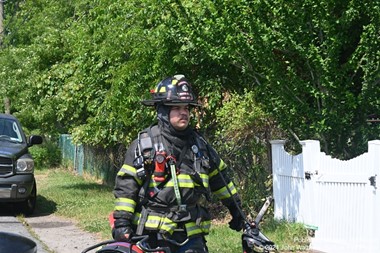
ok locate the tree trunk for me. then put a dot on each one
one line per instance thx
(7, 105)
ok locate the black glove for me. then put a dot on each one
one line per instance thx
(122, 231)
(122, 234)
(237, 220)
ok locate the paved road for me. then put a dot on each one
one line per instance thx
(51, 233)
(10, 224)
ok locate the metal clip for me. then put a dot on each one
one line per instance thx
(182, 208)
(138, 163)
(141, 173)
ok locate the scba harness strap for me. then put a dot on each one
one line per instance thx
(150, 147)
(144, 154)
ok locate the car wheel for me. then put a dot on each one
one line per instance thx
(27, 206)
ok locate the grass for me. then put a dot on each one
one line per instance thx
(89, 203)
(84, 200)
(289, 237)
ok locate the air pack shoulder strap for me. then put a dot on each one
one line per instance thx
(147, 148)
(144, 158)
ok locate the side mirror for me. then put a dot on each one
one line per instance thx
(35, 139)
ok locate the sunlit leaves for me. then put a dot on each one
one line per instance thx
(83, 66)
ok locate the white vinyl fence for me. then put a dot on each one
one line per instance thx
(340, 198)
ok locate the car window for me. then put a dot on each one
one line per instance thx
(10, 130)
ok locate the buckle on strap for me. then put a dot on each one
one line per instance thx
(143, 219)
(182, 208)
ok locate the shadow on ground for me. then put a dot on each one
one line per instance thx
(43, 207)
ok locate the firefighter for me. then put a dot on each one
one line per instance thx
(167, 171)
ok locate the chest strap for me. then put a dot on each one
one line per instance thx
(173, 172)
(143, 219)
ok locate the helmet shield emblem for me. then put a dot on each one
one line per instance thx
(171, 91)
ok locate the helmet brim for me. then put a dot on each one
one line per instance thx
(149, 102)
(154, 102)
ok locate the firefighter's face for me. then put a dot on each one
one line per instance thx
(179, 117)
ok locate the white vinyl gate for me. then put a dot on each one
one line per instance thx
(339, 198)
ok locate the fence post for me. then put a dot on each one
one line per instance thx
(277, 148)
(311, 151)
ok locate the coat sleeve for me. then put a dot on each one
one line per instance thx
(127, 186)
(220, 183)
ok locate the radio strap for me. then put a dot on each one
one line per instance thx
(173, 172)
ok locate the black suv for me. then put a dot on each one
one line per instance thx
(17, 182)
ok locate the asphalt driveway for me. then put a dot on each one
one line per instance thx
(51, 233)
(11, 224)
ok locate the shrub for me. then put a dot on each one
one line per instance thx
(47, 154)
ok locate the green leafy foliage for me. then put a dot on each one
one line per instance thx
(83, 66)
(316, 86)
(46, 155)
(243, 137)
(263, 70)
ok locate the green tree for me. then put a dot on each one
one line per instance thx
(83, 66)
(315, 68)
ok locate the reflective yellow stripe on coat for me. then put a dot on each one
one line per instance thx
(223, 192)
(193, 229)
(162, 223)
(125, 204)
(184, 181)
(127, 170)
(222, 166)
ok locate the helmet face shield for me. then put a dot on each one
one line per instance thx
(174, 90)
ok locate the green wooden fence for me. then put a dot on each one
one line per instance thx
(100, 163)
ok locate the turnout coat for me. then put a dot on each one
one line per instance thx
(172, 201)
